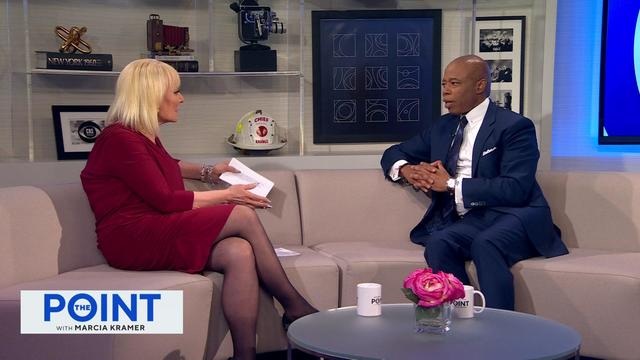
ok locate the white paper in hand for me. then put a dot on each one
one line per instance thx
(247, 176)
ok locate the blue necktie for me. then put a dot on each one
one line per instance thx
(451, 164)
(454, 150)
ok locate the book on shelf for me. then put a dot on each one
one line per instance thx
(183, 65)
(174, 57)
(69, 61)
(163, 56)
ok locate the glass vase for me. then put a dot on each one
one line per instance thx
(436, 319)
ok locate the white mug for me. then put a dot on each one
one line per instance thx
(464, 308)
(369, 299)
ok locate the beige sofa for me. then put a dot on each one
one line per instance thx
(350, 226)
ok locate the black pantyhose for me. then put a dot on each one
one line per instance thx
(244, 254)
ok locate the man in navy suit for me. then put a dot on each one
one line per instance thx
(478, 164)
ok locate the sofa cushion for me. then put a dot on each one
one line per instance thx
(314, 275)
(595, 292)
(578, 200)
(78, 242)
(28, 222)
(357, 205)
(282, 220)
(370, 262)
(190, 345)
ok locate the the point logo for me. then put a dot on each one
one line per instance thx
(462, 303)
(84, 307)
(101, 312)
(377, 300)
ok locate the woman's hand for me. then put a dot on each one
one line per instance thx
(240, 194)
(219, 169)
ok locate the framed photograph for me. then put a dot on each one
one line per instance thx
(376, 74)
(76, 129)
(500, 41)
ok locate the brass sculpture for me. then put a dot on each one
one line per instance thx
(72, 41)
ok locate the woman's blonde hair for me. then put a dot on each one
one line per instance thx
(140, 90)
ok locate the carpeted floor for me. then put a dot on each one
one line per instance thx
(282, 355)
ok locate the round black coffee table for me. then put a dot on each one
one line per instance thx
(493, 334)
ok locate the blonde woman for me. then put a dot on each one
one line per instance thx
(146, 220)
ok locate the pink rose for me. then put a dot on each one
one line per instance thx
(409, 279)
(433, 289)
(456, 286)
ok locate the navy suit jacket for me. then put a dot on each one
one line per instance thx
(504, 162)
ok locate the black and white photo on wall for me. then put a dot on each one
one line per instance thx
(496, 40)
(76, 129)
(376, 74)
(500, 40)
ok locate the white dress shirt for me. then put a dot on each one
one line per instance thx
(463, 166)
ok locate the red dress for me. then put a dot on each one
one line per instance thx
(144, 216)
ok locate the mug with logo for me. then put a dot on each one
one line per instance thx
(464, 308)
(369, 299)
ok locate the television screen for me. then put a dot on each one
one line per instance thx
(620, 73)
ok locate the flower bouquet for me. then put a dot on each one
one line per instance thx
(433, 294)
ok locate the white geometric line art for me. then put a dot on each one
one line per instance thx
(376, 77)
(408, 77)
(408, 109)
(344, 78)
(408, 44)
(376, 110)
(344, 45)
(376, 45)
(344, 111)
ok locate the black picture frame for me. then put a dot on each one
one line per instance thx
(76, 128)
(376, 74)
(507, 88)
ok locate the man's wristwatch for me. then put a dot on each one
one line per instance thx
(451, 186)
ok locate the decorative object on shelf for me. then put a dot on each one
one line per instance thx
(257, 133)
(376, 74)
(500, 41)
(71, 39)
(433, 294)
(183, 65)
(166, 39)
(170, 44)
(67, 61)
(254, 24)
(76, 129)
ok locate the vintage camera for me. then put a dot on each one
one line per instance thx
(166, 39)
(255, 23)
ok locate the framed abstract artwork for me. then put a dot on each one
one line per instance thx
(376, 74)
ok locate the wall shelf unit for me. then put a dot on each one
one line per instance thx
(217, 97)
